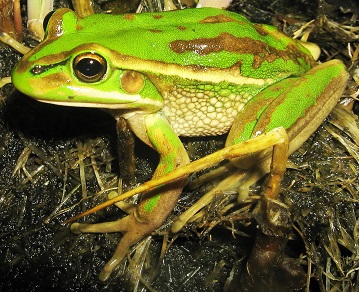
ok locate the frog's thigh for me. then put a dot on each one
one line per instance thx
(298, 104)
(253, 117)
(250, 122)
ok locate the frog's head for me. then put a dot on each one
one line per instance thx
(67, 68)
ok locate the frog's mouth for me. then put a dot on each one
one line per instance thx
(116, 103)
(90, 105)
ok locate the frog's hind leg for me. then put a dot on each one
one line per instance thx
(290, 103)
(299, 104)
(301, 108)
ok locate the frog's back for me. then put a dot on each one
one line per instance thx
(198, 38)
(200, 65)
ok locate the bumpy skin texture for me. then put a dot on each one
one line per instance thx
(188, 72)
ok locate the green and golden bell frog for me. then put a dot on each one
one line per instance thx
(194, 72)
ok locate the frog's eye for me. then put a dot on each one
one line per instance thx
(89, 67)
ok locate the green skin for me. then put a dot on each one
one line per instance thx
(191, 72)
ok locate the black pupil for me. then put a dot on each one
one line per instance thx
(89, 67)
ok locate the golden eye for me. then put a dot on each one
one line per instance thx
(89, 67)
(132, 81)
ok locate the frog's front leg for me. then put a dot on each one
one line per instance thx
(155, 206)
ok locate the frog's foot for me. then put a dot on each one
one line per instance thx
(133, 231)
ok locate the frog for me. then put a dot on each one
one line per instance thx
(192, 72)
